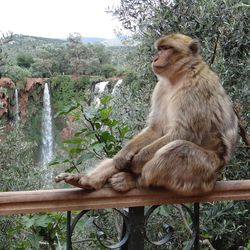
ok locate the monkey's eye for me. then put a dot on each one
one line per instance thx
(164, 47)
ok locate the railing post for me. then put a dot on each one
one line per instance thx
(137, 233)
(69, 244)
(197, 225)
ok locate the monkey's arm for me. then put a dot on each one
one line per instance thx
(147, 152)
(180, 129)
(123, 158)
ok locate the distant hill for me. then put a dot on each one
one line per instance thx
(24, 44)
(20, 39)
(105, 41)
(40, 40)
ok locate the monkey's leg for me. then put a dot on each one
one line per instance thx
(123, 181)
(183, 167)
(123, 158)
(95, 179)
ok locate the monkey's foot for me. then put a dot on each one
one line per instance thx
(123, 181)
(81, 181)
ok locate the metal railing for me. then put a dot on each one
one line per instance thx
(135, 217)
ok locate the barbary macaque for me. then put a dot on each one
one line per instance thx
(190, 134)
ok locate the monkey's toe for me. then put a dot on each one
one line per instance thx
(122, 181)
(61, 177)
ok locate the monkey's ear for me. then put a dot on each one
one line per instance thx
(194, 46)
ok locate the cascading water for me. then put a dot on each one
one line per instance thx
(47, 148)
(99, 88)
(17, 117)
(118, 83)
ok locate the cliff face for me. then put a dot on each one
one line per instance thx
(5, 84)
(24, 95)
(5, 100)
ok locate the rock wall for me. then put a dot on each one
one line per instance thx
(24, 94)
(5, 102)
(5, 84)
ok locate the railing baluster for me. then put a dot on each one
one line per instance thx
(69, 245)
(136, 221)
(197, 225)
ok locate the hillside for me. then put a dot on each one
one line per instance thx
(24, 43)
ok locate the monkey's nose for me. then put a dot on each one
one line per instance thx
(155, 58)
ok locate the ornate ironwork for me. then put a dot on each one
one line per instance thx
(100, 234)
(134, 231)
(168, 229)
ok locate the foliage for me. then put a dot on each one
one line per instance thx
(220, 219)
(19, 165)
(4, 39)
(48, 57)
(217, 24)
(100, 135)
(83, 83)
(24, 60)
(108, 70)
(16, 73)
(47, 228)
(18, 172)
(63, 91)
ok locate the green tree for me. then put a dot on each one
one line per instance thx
(16, 73)
(24, 60)
(4, 39)
(77, 53)
(108, 70)
(50, 59)
(223, 28)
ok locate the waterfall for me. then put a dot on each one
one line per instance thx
(99, 88)
(17, 117)
(118, 83)
(47, 137)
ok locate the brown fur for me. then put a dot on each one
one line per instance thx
(190, 134)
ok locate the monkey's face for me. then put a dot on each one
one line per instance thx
(171, 49)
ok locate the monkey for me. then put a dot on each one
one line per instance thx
(190, 134)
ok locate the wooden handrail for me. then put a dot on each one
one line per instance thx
(77, 199)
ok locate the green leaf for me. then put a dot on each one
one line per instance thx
(123, 131)
(67, 109)
(105, 113)
(75, 140)
(56, 162)
(75, 150)
(97, 146)
(35, 239)
(106, 136)
(105, 100)
(98, 125)
(80, 132)
(70, 169)
(84, 157)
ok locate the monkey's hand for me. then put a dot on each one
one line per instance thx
(123, 158)
(140, 159)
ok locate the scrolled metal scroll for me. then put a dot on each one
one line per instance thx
(168, 229)
(100, 234)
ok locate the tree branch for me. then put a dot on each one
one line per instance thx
(242, 128)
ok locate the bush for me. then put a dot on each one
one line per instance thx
(108, 70)
(24, 60)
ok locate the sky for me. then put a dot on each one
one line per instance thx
(58, 18)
